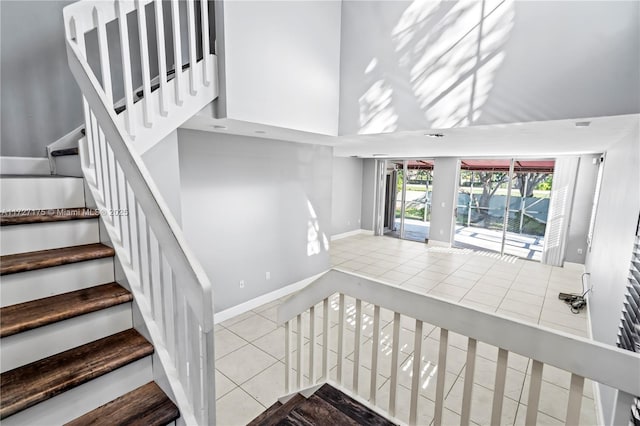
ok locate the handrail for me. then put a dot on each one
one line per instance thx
(169, 285)
(142, 184)
(562, 350)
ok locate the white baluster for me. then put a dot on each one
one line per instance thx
(442, 367)
(93, 140)
(139, 240)
(415, 379)
(394, 364)
(129, 220)
(162, 58)
(206, 65)
(312, 345)
(325, 339)
(356, 347)
(465, 415)
(287, 358)
(534, 393)
(300, 340)
(177, 50)
(103, 50)
(498, 393)
(147, 114)
(193, 58)
(340, 338)
(575, 400)
(110, 183)
(375, 349)
(171, 323)
(130, 118)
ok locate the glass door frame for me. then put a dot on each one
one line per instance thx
(401, 195)
(506, 210)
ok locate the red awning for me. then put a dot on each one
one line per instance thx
(502, 165)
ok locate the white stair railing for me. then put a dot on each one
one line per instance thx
(169, 285)
(581, 357)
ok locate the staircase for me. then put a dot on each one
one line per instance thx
(326, 406)
(69, 352)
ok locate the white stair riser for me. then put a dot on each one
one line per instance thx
(44, 236)
(84, 398)
(35, 193)
(31, 285)
(41, 342)
(68, 165)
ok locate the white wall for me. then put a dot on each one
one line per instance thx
(346, 200)
(609, 259)
(163, 165)
(576, 250)
(39, 100)
(444, 198)
(282, 61)
(368, 193)
(251, 206)
(416, 65)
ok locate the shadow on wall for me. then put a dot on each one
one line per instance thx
(438, 63)
(314, 243)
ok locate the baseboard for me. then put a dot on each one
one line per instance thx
(435, 243)
(24, 166)
(351, 234)
(264, 299)
(573, 266)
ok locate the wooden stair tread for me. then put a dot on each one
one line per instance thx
(49, 215)
(326, 407)
(28, 385)
(320, 412)
(279, 414)
(21, 262)
(36, 313)
(266, 414)
(147, 405)
(349, 406)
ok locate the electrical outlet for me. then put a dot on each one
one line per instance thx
(579, 251)
(241, 283)
(267, 275)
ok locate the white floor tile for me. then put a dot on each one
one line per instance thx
(244, 363)
(237, 408)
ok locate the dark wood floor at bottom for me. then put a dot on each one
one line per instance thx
(326, 407)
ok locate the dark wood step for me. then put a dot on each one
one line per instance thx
(316, 411)
(49, 215)
(37, 313)
(64, 151)
(326, 407)
(28, 385)
(278, 414)
(21, 262)
(350, 407)
(146, 406)
(271, 411)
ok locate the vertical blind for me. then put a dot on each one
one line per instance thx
(629, 329)
(555, 236)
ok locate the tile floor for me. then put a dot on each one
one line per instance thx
(250, 347)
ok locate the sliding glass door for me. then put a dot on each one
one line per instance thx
(503, 205)
(412, 201)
